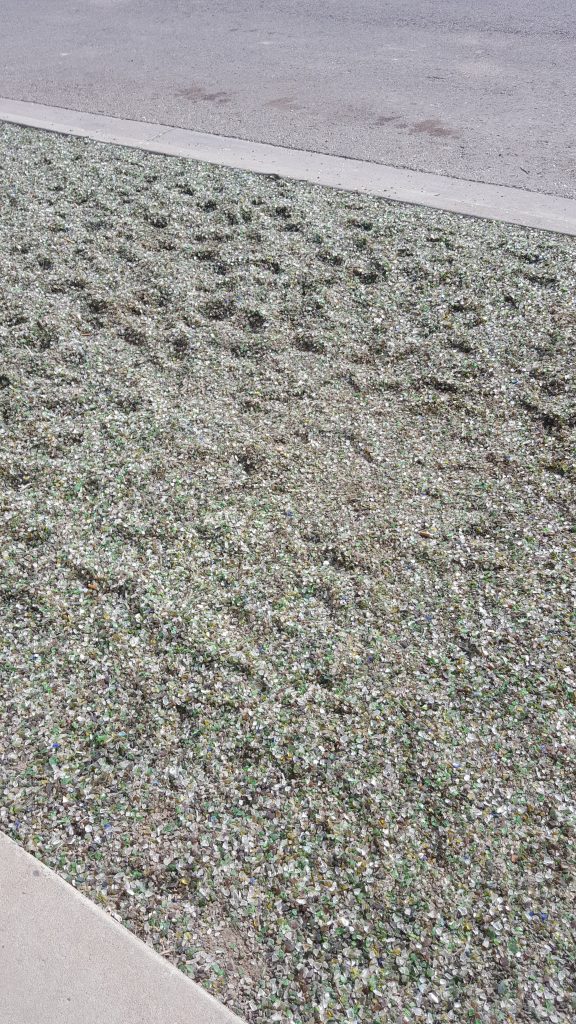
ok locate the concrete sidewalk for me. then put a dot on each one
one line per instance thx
(64, 961)
(478, 91)
(471, 198)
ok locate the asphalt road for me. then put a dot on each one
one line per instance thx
(479, 89)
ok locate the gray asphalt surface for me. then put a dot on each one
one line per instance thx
(479, 89)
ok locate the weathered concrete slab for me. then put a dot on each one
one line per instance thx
(482, 91)
(473, 198)
(64, 961)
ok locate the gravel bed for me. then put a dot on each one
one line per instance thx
(287, 514)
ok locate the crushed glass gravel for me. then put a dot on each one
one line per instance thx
(287, 594)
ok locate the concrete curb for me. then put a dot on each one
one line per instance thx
(64, 961)
(472, 198)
